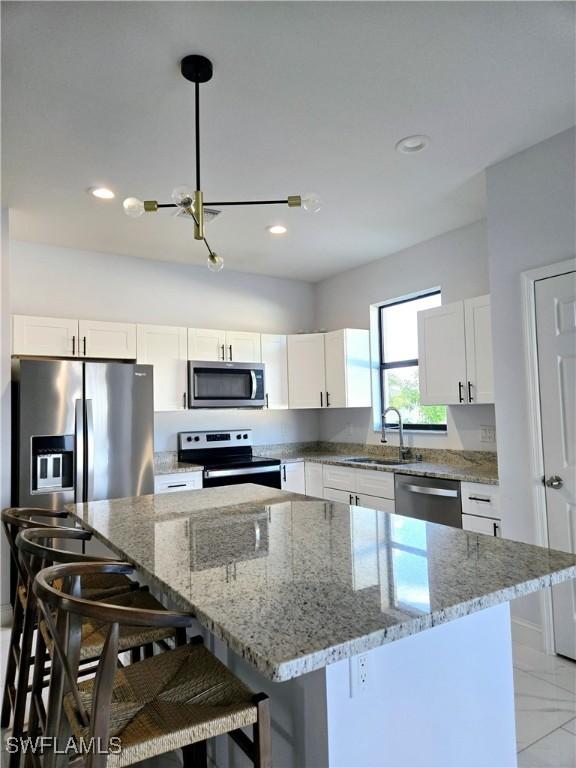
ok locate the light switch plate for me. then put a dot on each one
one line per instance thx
(488, 434)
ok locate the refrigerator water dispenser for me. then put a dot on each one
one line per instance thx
(52, 463)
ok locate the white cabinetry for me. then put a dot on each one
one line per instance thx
(98, 338)
(178, 481)
(206, 344)
(375, 502)
(46, 336)
(274, 355)
(293, 478)
(480, 508)
(166, 348)
(363, 487)
(314, 479)
(243, 346)
(63, 337)
(455, 353)
(306, 370)
(329, 370)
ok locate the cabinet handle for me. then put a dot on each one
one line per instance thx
(357, 500)
(84, 342)
(267, 403)
(486, 499)
(177, 485)
(460, 395)
(73, 345)
(184, 399)
(327, 399)
(223, 354)
(284, 472)
(496, 529)
(321, 400)
(470, 398)
(230, 348)
(351, 496)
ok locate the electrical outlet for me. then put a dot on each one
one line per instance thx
(359, 675)
(487, 434)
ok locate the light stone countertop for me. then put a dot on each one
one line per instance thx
(166, 463)
(293, 584)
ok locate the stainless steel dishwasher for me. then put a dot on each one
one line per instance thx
(428, 498)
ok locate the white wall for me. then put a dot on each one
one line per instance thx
(457, 262)
(531, 219)
(64, 282)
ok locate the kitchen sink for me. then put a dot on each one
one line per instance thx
(381, 462)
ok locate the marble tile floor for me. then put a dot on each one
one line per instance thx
(545, 689)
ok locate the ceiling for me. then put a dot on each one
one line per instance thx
(306, 96)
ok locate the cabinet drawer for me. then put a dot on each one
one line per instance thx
(343, 496)
(480, 499)
(375, 502)
(375, 483)
(178, 481)
(343, 478)
(484, 525)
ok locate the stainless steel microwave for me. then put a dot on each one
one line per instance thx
(225, 385)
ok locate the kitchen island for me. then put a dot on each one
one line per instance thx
(382, 640)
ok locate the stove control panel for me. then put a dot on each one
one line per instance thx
(188, 441)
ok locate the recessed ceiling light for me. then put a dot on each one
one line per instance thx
(277, 229)
(410, 144)
(102, 193)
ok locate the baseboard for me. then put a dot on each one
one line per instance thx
(5, 614)
(528, 633)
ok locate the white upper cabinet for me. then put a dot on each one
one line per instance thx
(442, 355)
(206, 344)
(98, 338)
(46, 336)
(306, 371)
(166, 348)
(478, 327)
(455, 353)
(243, 346)
(275, 358)
(347, 359)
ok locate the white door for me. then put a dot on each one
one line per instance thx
(243, 346)
(116, 341)
(442, 355)
(293, 478)
(206, 344)
(46, 336)
(478, 324)
(556, 335)
(335, 359)
(306, 371)
(275, 358)
(166, 348)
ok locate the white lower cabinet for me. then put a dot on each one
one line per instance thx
(477, 524)
(293, 477)
(166, 348)
(314, 479)
(481, 508)
(375, 502)
(362, 487)
(332, 494)
(178, 481)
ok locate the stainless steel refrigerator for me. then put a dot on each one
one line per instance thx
(82, 431)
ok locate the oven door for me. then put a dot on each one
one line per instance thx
(225, 385)
(269, 476)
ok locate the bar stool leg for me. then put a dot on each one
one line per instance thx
(11, 667)
(262, 740)
(195, 755)
(23, 675)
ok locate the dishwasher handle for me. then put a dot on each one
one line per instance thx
(427, 491)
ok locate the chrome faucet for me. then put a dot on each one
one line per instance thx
(404, 452)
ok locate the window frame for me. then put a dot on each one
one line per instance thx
(413, 362)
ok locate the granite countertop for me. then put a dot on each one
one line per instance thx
(293, 584)
(471, 473)
(166, 463)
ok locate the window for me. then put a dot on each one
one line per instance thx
(399, 388)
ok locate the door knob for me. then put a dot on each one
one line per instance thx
(554, 481)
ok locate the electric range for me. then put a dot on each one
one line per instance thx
(227, 458)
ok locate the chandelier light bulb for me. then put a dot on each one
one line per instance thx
(133, 207)
(214, 262)
(311, 202)
(183, 196)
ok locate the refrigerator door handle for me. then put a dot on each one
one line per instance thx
(79, 452)
(89, 451)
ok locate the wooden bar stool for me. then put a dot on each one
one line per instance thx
(177, 699)
(36, 552)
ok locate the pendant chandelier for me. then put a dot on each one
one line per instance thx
(190, 202)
